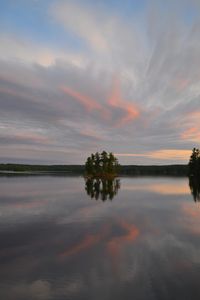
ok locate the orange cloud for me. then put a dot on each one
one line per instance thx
(192, 134)
(179, 154)
(115, 100)
(167, 154)
(194, 114)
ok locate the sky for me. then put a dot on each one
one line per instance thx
(80, 76)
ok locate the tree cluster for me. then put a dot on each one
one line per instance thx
(194, 163)
(101, 165)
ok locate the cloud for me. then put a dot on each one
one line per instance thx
(17, 49)
(105, 37)
(20, 138)
(23, 50)
(122, 88)
(82, 21)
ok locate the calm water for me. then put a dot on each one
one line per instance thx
(56, 242)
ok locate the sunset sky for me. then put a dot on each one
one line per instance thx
(80, 76)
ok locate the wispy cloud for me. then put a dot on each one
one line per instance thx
(83, 21)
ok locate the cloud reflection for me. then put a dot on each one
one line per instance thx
(87, 242)
(116, 243)
(163, 188)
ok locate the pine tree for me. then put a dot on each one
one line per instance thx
(104, 159)
(194, 162)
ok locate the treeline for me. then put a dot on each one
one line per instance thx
(168, 170)
(129, 170)
(71, 169)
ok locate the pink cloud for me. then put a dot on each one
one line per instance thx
(87, 102)
(116, 100)
(38, 138)
(181, 83)
(192, 134)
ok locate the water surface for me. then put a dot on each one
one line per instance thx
(56, 242)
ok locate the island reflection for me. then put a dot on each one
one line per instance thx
(103, 189)
(194, 183)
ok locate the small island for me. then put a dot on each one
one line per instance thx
(194, 174)
(101, 165)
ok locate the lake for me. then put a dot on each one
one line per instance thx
(62, 238)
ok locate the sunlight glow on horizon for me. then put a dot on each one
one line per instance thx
(161, 154)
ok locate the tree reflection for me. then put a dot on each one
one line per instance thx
(102, 188)
(194, 183)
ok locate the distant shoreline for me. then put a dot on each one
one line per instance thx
(126, 170)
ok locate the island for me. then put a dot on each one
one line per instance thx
(101, 165)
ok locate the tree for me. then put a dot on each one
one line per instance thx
(89, 165)
(194, 163)
(101, 165)
(104, 160)
(97, 163)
